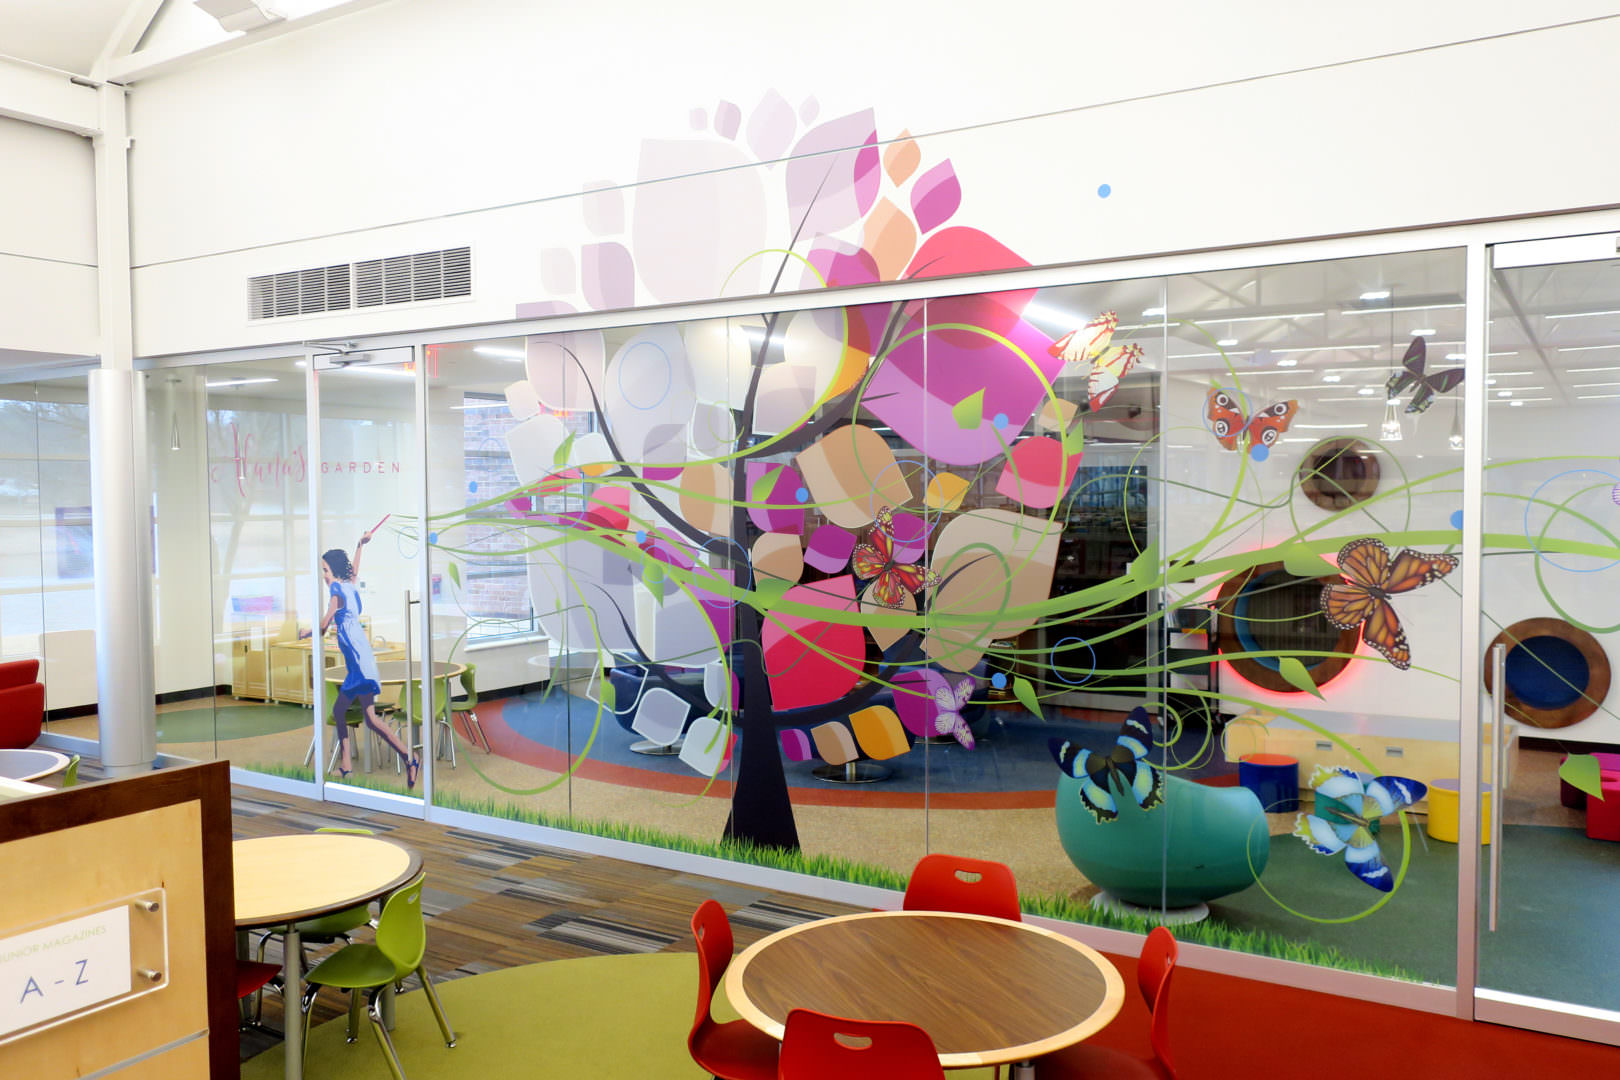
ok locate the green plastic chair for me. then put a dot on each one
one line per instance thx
(441, 714)
(70, 775)
(401, 945)
(466, 705)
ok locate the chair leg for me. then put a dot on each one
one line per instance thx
(309, 755)
(356, 1007)
(474, 727)
(383, 1040)
(438, 1010)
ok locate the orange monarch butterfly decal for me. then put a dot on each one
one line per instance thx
(1371, 577)
(892, 580)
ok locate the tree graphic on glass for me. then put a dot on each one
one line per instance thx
(777, 501)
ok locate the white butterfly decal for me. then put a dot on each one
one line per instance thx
(949, 701)
(1090, 346)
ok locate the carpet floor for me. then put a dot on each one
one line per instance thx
(206, 723)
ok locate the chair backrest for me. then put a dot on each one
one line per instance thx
(348, 832)
(469, 685)
(18, 672)
(711, 931)
(22, 710)
(401, 934)
(70, 775)
(816, 1046)
(957, 883)
(1153, 970)
(441, 696)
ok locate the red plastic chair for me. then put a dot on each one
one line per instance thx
(816, 1046)
(957, 883)
(252, 976)
(1083, 1061)
(22, 713)
(733, 1051)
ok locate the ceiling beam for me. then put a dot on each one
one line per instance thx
(39, 95)
(132, 26)
(149, 63)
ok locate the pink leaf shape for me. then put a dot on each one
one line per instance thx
(935, 196)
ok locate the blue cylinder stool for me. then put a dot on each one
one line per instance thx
(1274, 779)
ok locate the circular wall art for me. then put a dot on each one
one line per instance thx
(1556, 674)
(1338, 473)
(1267, 609)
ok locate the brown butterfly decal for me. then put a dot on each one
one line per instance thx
(1371, 577)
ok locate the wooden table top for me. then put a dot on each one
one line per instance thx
(986, 990)
(398, 671)
(282, 879)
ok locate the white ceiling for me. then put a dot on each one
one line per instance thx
(63, 34)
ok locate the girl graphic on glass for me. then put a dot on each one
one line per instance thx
(342, 577)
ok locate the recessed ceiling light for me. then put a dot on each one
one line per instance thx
(1490, 382)
(1504, 393)
(1456, 356)
(1287, 361)
(1152, 312)
(1427, 331)
(228, 383)
(1516, 404)
(1227, 342)
(1377, 294)
(1367, 391)
(1332, 378)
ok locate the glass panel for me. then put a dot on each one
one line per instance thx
(1551, 486)
(252, 417)
(1306, 454)
(22, 550)
(369, 571)
(66, 554)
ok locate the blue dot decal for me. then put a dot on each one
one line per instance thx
(802, 495)
(1103, 191)
(998, 680)
(433, 538)
(641, 536)
(1000, 420)
(1260, 453)
(1456, 519)
(472, 486)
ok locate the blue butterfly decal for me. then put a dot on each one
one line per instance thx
(1348, 806)
(1124, 769)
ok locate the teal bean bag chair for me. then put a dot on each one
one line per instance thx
(1203, 842)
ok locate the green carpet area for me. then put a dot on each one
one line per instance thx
(208, 724)
(1559, 899)
(605, 1017)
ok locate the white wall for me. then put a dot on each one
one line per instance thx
(47, 241)
(357, 137)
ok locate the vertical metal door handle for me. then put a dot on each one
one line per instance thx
(1498, 696)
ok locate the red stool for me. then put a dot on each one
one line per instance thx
(1603, 815)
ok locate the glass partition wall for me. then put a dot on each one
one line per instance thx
(1148, 588)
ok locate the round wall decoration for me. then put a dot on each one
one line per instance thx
(1556, 674)
(1338, 473)
(1268, 609)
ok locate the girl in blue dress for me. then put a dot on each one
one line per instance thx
(341, 577)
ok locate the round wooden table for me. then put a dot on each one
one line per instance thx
(31, 764)
(987, 991)
(281, 880)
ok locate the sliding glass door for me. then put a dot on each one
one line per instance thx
(1551, 575)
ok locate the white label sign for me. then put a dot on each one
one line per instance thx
(65, 968)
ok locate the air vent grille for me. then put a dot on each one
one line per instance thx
(398, 279)
(407, 279)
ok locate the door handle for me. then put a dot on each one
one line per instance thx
(1498, 749)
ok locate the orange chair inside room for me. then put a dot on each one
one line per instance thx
(735, 1050)
(1085, 1060)
(816, 1046)
(957, 883)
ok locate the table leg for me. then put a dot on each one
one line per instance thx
(292, 1000)
(1023, 1070)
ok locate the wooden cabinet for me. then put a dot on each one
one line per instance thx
(250, 662)
(291, 663)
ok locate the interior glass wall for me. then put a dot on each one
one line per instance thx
(1551, 489)
(829, 589)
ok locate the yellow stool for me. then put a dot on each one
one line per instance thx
(1443, 796)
